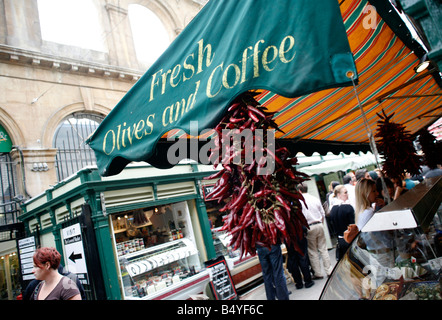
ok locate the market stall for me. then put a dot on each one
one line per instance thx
(157, 253)
(398, 253)
(150, 227)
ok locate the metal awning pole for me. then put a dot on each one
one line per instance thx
(371, 140)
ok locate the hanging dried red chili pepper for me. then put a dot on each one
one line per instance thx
(264, 207)
(395, 144)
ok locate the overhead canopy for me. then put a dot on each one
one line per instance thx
(294, 52)
(341, 164)
(387, 81)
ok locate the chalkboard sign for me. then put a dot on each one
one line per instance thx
(221, 282)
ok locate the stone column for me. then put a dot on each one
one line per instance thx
(21, 24)
(121, 46)
(35, 170)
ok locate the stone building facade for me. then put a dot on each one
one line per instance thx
(54, 93)
(43, 83)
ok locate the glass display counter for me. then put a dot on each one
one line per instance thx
(244, 270)
(148, 272)
(221, 240)
(398, 253)
(156, 251)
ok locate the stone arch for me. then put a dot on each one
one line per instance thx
(89, 26)
(164, 12)
(58, 116)
(12, 128)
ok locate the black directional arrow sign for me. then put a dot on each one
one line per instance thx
(74, 256)
(73, 249)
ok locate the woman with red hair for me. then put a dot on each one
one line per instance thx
(53, 286)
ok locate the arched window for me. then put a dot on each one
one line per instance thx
(9, 199)
(9, 202)
(149, 34)
(69, 139)
(71, 22)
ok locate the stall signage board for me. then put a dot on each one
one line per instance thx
(73, 249)
(288, 47)
(207, 189)
(5, 140)
(221, 282)
(26, 248)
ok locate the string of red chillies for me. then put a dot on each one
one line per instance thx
(395, 144)
(261, 209)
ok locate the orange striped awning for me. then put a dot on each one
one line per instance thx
(387, 81)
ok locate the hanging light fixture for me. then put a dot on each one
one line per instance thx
(423, 64)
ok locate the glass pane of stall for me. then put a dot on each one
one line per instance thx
(401, 264)
(221, 238)
(156, 249)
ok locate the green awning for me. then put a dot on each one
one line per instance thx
(291, 48)
(5, 141)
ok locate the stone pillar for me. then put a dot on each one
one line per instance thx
(35, 170)
(121, 46)
(21, 24)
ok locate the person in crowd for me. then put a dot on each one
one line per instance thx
(63, 271)
(399, 187)
(273, 272)
(299, 263)
(366, 194)
(409, 183)
(342, 215)
(316, 243)
(53, 285)
(384, 199)
(361, 174)
(330, 195)
(349, 181)
(328, 198)
(377, 244)
(373, 175)
(435, 172)
(328, 204)
(341, 194)
(379, 172)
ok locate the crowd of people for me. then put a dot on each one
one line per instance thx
(352, 202)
